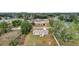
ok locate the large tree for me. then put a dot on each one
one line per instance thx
(26, 27)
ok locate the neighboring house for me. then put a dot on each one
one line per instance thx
(38, 29)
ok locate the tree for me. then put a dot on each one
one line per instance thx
(4, 27)
(19, 15)
(26, 27)
(57, 26)
(74, 18)
(61, 17)
(51, 22)
(16, 23)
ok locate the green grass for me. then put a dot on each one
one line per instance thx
(37, 40)
(33, 38)
(69, 43)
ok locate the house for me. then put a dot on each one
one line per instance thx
(39, 27)
(41, 22)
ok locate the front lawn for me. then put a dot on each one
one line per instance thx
(37, 40)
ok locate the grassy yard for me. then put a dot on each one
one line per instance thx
(70, 43)
(37, 40)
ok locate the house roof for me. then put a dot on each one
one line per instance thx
(40, 21)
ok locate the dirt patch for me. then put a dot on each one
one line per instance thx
(7, 37)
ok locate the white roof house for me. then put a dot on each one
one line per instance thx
(40, 31)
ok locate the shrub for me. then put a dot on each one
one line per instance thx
(14, 42)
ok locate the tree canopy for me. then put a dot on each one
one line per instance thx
(26, 27)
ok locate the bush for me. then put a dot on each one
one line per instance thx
(16, 23)
(26, 27)
(14, 42)
(4, 28)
